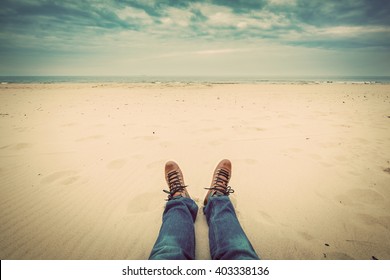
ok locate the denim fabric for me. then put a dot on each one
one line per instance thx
(226, 236)
(176, 240)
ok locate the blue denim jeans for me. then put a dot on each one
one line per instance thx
(176, 240)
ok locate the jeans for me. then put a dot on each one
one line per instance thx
(176, 239)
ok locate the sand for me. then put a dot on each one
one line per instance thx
(81, 166)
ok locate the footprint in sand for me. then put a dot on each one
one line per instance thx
(366, 196)
(211, 129)
(326, 164)
(362, 141)
(252, 128)
(383, 221)
(69, 180)
(93, 137)
(66, 177)
(155, 164)
(21, 129)
(136, 156)
(68, 124)
(215, 143)
(142, 203)
(266, 217)
(306, 236)
(165, 144)
(250, 161)
(356, 196)
(116, 164)
(315, 157)
(341, 158)
(291, 125)
(5, 147)
(21, 146)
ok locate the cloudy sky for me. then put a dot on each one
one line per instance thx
(204, 37)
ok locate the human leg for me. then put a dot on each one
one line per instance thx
(176, 239)
(227, 239)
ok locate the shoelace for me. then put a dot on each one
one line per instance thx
(174, 184)
(221, 183)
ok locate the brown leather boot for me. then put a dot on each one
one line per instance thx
(175, 181)
(219, 184)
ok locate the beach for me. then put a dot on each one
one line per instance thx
(82, 166)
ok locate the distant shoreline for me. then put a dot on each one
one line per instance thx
(194, 79)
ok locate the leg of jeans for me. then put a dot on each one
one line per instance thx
(176, 240)
(226, 236)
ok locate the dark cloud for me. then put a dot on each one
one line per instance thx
(55, 30)
(242, 6)
(154, 8)
(34, 22)
(52, 14)
(30, 14)
(343, 12)
(319, 12)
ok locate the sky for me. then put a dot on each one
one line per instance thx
(204, 38)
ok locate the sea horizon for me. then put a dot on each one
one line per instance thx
(196, 79)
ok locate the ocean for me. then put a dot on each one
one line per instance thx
(195, 79)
